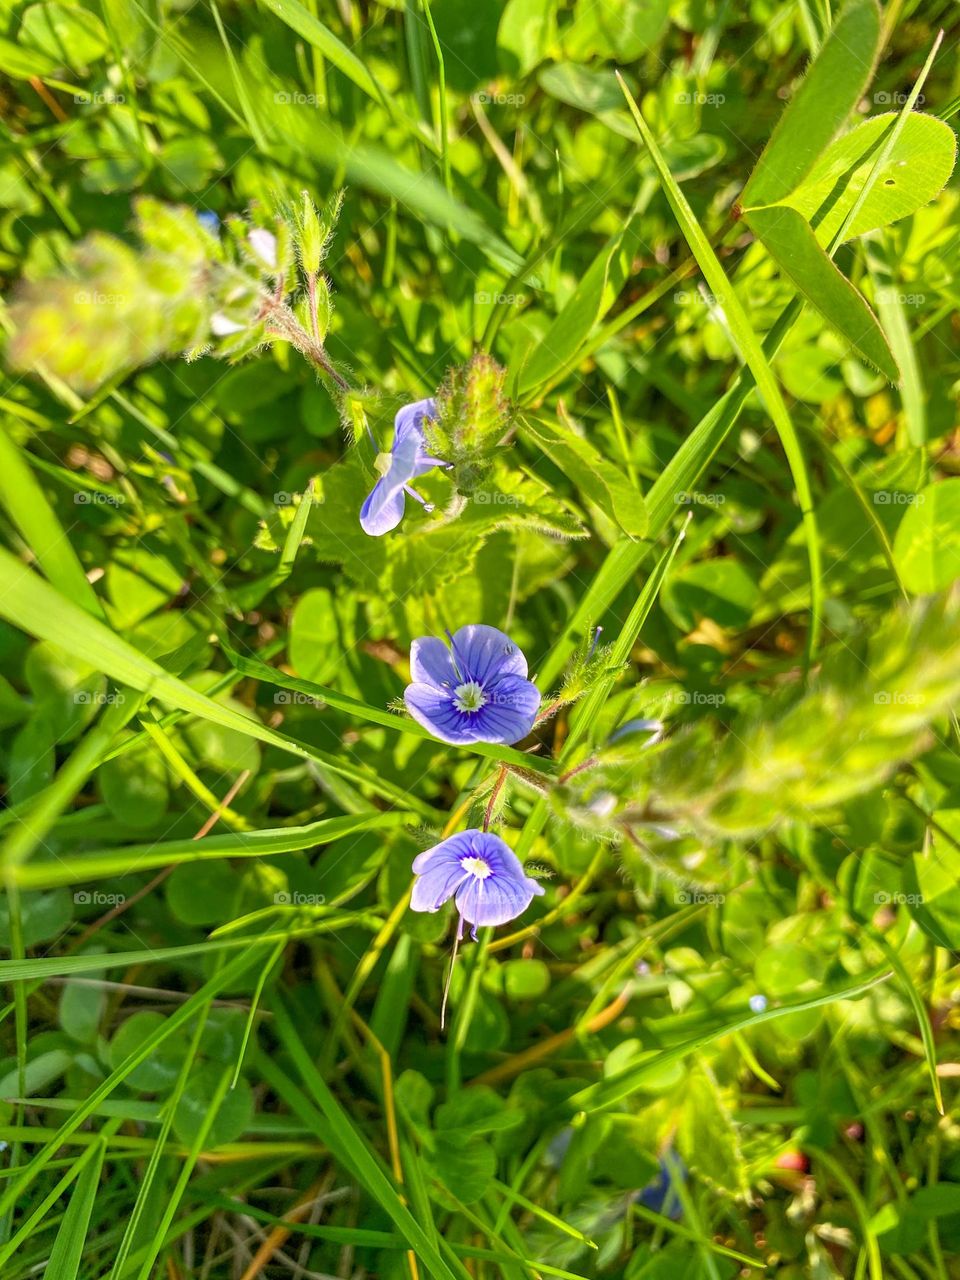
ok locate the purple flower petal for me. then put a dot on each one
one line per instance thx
(411, 418)
(431, 662)
(482, 652)
(510, 711)
(434, 709)
(383, 508)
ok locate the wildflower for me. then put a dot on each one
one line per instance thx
(660, 1194)
(758, 1003)
(383, 509)
(483, 875)
(475, 691)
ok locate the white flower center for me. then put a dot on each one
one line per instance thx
(476, 867)
(469, 696)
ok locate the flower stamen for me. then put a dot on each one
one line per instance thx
(469, 696)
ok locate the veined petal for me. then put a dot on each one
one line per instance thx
(432, 663)
(483, 653)
(433, 708)
(410, 418)
(383, 508)
(434, 886)
(509, 712)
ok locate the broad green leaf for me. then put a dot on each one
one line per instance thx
(526, 30)
(599, 480)
(43, 916)
(926, 548)
(789, 238)
(914, 173)
(707, 1137)
(314, 645)
(720, 589)
(134, 787)
(820, 107)
(233, 1115)
(930, 889)
(157, 1072)
(69, 34)
(623, 31)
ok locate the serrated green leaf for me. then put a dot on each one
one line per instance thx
(599, 480)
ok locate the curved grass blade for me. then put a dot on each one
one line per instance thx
(753, 354)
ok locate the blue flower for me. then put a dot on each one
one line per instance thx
(475, 691)
(483, 875)
(383, 509)
(758, 1004)
(659, 1194)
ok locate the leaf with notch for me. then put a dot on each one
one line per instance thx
(789, 239)
(820, 106)
(915, 172)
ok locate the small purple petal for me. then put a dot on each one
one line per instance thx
(434, 709)
(383, 508)
(509, 712)
(483, 652)
(411, 418)
(431, 662)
